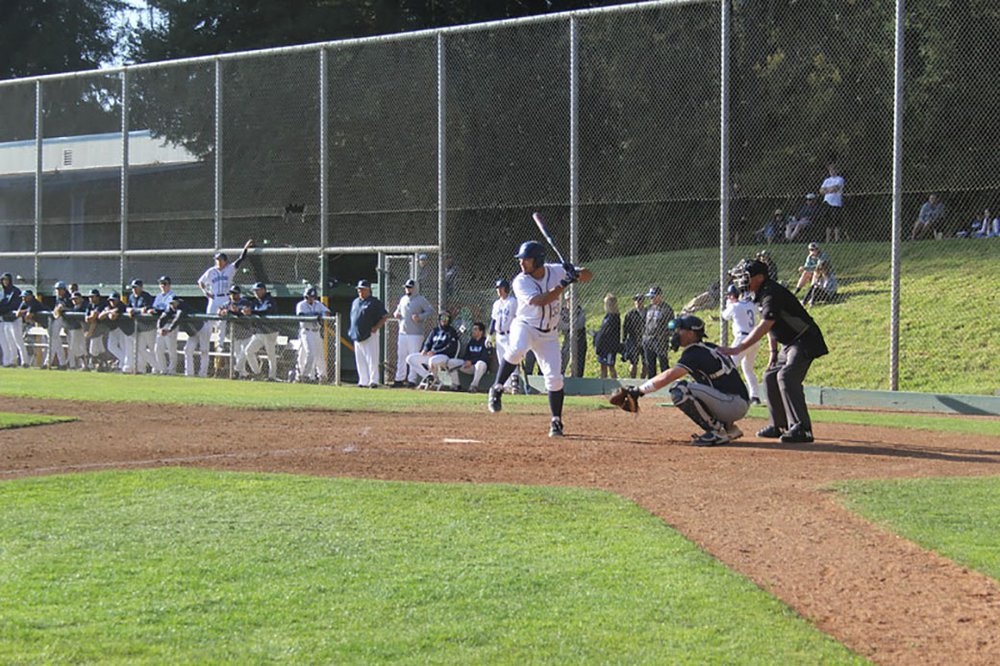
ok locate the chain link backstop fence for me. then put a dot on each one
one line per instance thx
(661, 140)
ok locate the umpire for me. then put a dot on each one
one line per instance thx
(785, 321)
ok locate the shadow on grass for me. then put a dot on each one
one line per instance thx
(860, 447)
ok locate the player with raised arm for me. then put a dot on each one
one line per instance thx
(538, 289)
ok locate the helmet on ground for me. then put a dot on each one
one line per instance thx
(531, 250)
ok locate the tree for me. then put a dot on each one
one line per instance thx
(56, 36)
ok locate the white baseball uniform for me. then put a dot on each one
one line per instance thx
(165, 346)
(311, 364)
(504, 311)
(536, 327)
(743, 314)
(216, 281)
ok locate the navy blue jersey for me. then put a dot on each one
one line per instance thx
(140, 302)
(365, 313)
(31, 307)
(263, 306)
(176, 318)
(442, 340)
(10, 301)
(476, 350)
(122, 323)
(707, 366)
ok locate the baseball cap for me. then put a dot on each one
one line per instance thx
(422, 257)
(27, 292)
(813, 246)
(60, 285)
(310, 291)
(778, 211)
(135, 283)
(235, 289)
(502, 283)
(410, 283)
(76, 294)
(259, 285)
(688, 322)
(363, 284)
(115, 296)
(811, 195)
(94, 292)
(732, 290)
(163, 279)
(221, 255)
(764, 253)
(654, 291)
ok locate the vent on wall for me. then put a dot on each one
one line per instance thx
(68, 157)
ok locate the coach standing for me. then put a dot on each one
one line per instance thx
(368, 315)
(785, 321)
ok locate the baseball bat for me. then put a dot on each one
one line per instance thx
(540, 223)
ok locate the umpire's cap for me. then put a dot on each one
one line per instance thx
(135, 283)
(654, 291)
(259, 285)
(531, 250)
(502, 283)
(410, 284)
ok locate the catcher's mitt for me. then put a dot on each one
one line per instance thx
(626, 398)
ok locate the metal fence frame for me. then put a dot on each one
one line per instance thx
(440, 246)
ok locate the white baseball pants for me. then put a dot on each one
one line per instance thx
(120, 346)
(405, 346)
(746, 361)
(547, 350)
(77, 347)
(56, 350)
(197, 343)
(457, 365)
(146, 345)
(269, 342)
(165, 353)
(366, 359)
(311, 364)
(14, 350)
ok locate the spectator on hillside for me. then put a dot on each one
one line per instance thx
(607, 343)
(824, 284)
(985, 226)
(832, 212)
(808, 267)
(808, 212)
(930, 216)
(772, 229)
(706, 299)
(765, 257)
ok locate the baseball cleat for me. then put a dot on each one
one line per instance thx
(755, 401)
(711, 438)
(556, 428)
(494, 400)
(734, 432)
(769, 432)
(797, 435)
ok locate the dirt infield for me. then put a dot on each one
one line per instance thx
(758, 506)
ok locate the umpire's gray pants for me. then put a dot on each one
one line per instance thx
(786, 399)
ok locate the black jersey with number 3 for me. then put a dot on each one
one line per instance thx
(708, 366)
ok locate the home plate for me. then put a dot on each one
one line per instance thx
(462, 441)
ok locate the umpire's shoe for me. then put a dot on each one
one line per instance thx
(769, 432)
(556, 428)
(797, 435)
(496, 394)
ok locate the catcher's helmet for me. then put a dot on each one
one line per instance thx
(502, 283)
(688, 323)
(531, 250)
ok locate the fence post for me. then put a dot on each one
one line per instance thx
(574, 231)
(217, 201)
(724, 16)
(336, 346)
(39, 127)
(123, 227)
(441, 164)
(897, 197)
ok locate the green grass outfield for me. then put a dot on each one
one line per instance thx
(959, 518)
(193, 566)
(8, 420)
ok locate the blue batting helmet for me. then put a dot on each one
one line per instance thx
(531, 250)
(502, 283)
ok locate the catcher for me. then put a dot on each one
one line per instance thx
(715, 398)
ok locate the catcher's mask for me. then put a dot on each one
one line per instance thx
(688, 323)
(743, 271)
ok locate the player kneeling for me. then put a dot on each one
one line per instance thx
(715, 399)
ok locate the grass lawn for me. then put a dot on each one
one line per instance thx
(193, 566)
(8, 420)
(958, 518)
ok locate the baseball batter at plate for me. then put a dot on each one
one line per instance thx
(538, 289)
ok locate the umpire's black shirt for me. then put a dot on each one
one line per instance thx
(792, 324)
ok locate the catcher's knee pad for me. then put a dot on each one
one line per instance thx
(692, 406)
